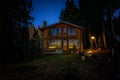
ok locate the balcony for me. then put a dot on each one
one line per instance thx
(62, 35)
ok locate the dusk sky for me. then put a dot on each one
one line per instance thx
(48, 10)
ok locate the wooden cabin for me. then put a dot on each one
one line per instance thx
(62, 37)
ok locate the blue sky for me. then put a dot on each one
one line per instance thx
(48, 10)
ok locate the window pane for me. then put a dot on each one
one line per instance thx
(71, 31)
(64, 30)
(59, 30)
(73, 42)
(53, 32)
(54, 44)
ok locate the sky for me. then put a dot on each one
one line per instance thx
(47, 10)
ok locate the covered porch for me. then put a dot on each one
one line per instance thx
(63, 46)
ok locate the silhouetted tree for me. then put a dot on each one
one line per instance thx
(111, 7)
(116, 24)
(70, 13)
(14, 22)
(93, 13)
(35, 45)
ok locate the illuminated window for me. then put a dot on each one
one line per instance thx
(73, 42)
(55, 44)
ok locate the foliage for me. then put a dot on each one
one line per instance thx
(102, 55)
(70, 13)
(35, 45)
(74, 48)
(116, 23)
(93, 15)
(97, 9)
(14, 28)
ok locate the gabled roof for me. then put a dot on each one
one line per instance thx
(77, 26)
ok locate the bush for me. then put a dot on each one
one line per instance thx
(102, 55)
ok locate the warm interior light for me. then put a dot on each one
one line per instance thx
(90, 51)
(70, 46)
(52, 47)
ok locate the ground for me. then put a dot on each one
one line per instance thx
(61, 67)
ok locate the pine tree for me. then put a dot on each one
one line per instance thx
(14, 28)
(35, 45)
(93, 13)
(70, 13)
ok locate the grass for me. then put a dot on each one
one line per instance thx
(59, 67)
(48, 58)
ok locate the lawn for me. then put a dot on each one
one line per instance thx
(60, 67)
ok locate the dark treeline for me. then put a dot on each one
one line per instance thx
(15, 20)
(95, 15)
(14, 35)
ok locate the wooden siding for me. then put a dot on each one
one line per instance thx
(61, 36)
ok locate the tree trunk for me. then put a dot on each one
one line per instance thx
(103, 34)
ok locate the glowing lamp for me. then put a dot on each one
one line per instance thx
(92, 37)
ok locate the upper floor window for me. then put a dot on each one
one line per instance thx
(59, 30)
(64, 30)
(53, 32)
(71, 31)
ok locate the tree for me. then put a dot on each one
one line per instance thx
(35, 45)
(14, 28)
(70, 13)
(93, 13)
(111, 7)
(116, 23)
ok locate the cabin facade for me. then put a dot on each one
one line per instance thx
(62, 37)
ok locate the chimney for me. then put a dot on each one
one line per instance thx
(44, 24)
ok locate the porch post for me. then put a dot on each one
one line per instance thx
(81, 42)
(67, 44)
(62, 44)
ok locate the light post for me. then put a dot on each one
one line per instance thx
(92, 41)
(92, 38)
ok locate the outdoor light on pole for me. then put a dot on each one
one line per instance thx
(92, 37)
(92, 40)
